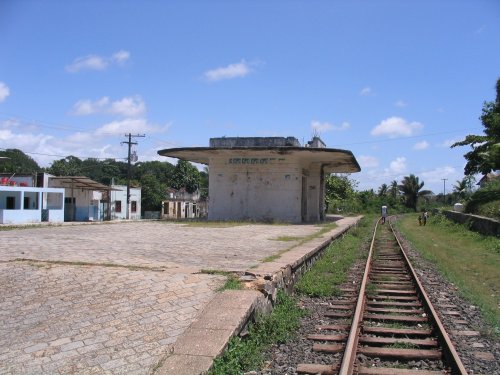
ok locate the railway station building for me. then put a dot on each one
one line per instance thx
(267, 178)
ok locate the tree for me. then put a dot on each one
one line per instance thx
(463, 188)
(185, 176)
(382, 190)
(394, 190)
(152, 194)
(69, 166)
(18, 162)
(163, 171)
(339, 189)
(204, 183)
(410, 188)
(485, 154)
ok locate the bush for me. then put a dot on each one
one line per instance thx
(485, 201)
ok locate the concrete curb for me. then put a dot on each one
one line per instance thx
(208, 336)
(230, 311)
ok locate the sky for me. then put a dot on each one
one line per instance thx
(395, 82)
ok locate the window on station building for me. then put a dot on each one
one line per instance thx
(133, 207)
(118, 206)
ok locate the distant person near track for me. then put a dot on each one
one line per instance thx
(384, 213)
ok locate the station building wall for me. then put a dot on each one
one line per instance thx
(277, 187)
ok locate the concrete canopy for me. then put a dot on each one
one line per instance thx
(332, 160)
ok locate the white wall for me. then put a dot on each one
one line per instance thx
(121, 195)
(33, 213)
(242, 188)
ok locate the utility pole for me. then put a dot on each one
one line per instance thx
(444, 190)
(130, 143)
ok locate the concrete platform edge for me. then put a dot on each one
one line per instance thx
(231, 310)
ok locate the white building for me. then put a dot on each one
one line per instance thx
(27, 204)
(267, 179)
(85, 199)
(118, 203)
(79, 198)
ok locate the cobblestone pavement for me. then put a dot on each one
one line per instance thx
(112, 298)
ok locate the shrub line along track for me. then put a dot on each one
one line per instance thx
(393, 319)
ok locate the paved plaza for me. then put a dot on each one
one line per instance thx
(112, 298)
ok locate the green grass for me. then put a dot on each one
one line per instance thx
(288, 238)
(371, 289)
(272, 258)
(467, 259)
(48, 263)
(27, 226)
(324, 278)
(403, 345)
(210, 224)
(232, 282)
(324, 228)
(246, 354)
(221, 224)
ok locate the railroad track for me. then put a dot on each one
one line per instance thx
(388, 324)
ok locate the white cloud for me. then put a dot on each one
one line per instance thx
(128, 106)
(326, 126)
(396, 166)
(231, 71)
(367, 161)
(121, 56)
(400, 103)
(437, 174)
(23, 141)
(396, 127)
(129, 125)
(45, 148)
(95, 62)
(4, 91)
(421, 145)
(88, 107)
(366, 91)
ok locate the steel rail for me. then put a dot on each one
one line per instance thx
(347, 365)
(451, 355)
(449, 352)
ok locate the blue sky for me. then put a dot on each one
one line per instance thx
(396, 82)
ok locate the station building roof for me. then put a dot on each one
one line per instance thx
(332, 160)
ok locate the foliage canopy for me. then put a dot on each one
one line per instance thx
(485, 154)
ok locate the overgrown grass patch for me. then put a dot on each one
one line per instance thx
(324, 228)
(246, 354)
(287, 238)
(324, 278)
(232, 282)
(469, 260)
(222, 223)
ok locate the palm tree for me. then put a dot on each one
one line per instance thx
(410, 188)
(463, 189)
(382, 190)
(393, 190)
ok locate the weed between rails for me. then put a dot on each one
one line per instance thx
(245, 354)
